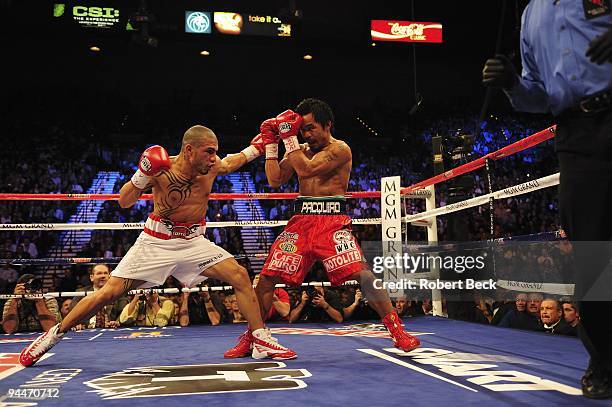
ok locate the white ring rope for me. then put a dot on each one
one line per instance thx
(520, 189)
(116, 226)
(164, 290)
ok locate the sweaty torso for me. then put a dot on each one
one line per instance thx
(181, 199)
(334, 182)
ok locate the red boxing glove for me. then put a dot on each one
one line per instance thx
(289, 124)
(269, 134)
(152, 161)
(255, 149)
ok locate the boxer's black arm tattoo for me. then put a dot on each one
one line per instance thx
(178, 190)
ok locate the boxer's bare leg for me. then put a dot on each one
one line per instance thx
(115, 288)
(378, 298)
(233, 273)
(265, 293)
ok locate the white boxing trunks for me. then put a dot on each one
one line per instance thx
(168, 248)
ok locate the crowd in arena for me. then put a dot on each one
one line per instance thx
(69, 156)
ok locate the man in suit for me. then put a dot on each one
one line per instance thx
(108, 317)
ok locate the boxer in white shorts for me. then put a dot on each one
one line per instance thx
(173, 241)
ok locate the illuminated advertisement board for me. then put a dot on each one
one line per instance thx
(198, 22)
(89, 16)
(406, 31)
(250, 24)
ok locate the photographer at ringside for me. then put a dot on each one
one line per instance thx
(147, 310)
(317, 304)
(36, 314)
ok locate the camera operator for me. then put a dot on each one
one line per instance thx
(147, 310)
(358, 309)
(37, 314)
(317, 305)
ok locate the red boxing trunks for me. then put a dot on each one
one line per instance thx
(319, 230)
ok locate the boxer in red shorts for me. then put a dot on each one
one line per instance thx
(320, 230)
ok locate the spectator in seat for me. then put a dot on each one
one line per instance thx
(108, 317)
(66, 306)
(534, 300)
(281, 305)
(519, 318)
(570, 313)
(8, 274)
(236, 315)
(551, 314)
(202, 308)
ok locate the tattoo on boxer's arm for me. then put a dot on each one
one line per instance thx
(10, 317)
(332, 154)
(178, 190)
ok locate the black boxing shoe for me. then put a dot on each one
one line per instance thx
(596, 382)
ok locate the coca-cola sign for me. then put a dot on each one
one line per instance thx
(406, 31)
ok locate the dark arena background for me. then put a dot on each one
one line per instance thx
(87, 85)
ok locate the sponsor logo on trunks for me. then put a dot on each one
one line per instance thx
(344, 241)
(288, 237)
(206, 262)
(288, 247)
(179, 231)
(341, 260)
(473, 371)
(321, 207)
(346, 246)
(341, 236)
(185, 380)
(288, 263)
(140, 335)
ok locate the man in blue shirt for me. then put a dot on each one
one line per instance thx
(566, 52)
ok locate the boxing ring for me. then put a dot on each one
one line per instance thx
(337, 363)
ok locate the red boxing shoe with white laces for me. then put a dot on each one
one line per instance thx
(40, 346)
(265, 346)
(243, 348)
(401, 339)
